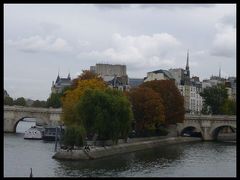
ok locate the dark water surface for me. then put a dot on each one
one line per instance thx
(199, 159)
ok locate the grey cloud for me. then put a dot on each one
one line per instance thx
(177, 6)
(224, 43)
(229, 20)
(223, 51)
(87, 30)
(38, 43)
(111, 6)
(157, 5)
(49, 27)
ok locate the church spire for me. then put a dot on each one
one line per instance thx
(58, 77)
(187, 65)
(69, 77)
(219, 72)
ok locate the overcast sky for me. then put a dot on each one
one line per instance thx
(40, 40)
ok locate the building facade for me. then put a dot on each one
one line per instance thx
(114, 75)
(60, 84)
(178, 75)
(189, 88)
(109, 69)
(158, 75)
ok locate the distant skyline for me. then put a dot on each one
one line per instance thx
(41, 40)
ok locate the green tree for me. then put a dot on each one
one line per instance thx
(106, 113)
(173, 101)
(214, 98)
(72, 97)
(20, 102)
(54, 101)
(43, 104)
(36, 103)
(74, 135)
(86, 75)
(229, 107)
(8, 101)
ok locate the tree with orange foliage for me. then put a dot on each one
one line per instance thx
(86, 75)
(72, 96)
(147, 108)
(173, 101)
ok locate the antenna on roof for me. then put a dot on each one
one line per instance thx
(219, 71)
(58, 70)
(31, 175)
(69, 74)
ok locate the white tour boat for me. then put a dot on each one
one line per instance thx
(34, 133)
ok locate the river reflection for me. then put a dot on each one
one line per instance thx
(198, 159)
(116, 165)
(166, 161)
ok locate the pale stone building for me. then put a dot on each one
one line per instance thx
(109, 69)
(114, 75)
(178, 75)
(158, 75)
(188, 87)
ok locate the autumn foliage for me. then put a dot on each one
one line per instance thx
(147, 107)
(173, 101)
(86, 75)
(72, 96)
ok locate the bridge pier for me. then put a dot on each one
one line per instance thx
(206, 135)
(8, 127)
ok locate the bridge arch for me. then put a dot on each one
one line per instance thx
(14, 114)
(38, 121)
(190, 127)
(214, 131)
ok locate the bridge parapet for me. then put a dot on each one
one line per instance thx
(32, 109)
(13, 114)
(210, 117)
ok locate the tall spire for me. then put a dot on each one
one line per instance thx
(69, 77)
(219, 72)
(58, 77)
(187, 65)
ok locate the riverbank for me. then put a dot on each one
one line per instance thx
(99, 152)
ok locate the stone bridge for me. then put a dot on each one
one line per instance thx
(208, 125)
(14, 114)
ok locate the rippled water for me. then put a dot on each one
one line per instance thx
(199, 159)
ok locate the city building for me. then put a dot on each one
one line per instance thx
(188, 87)
(109, 69)
(231, 85)
(60, 84)
(178, 75)
(158, 75)
(114, 75)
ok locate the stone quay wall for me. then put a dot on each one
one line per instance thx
(100, 152)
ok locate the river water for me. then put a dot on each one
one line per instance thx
(198, 159)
